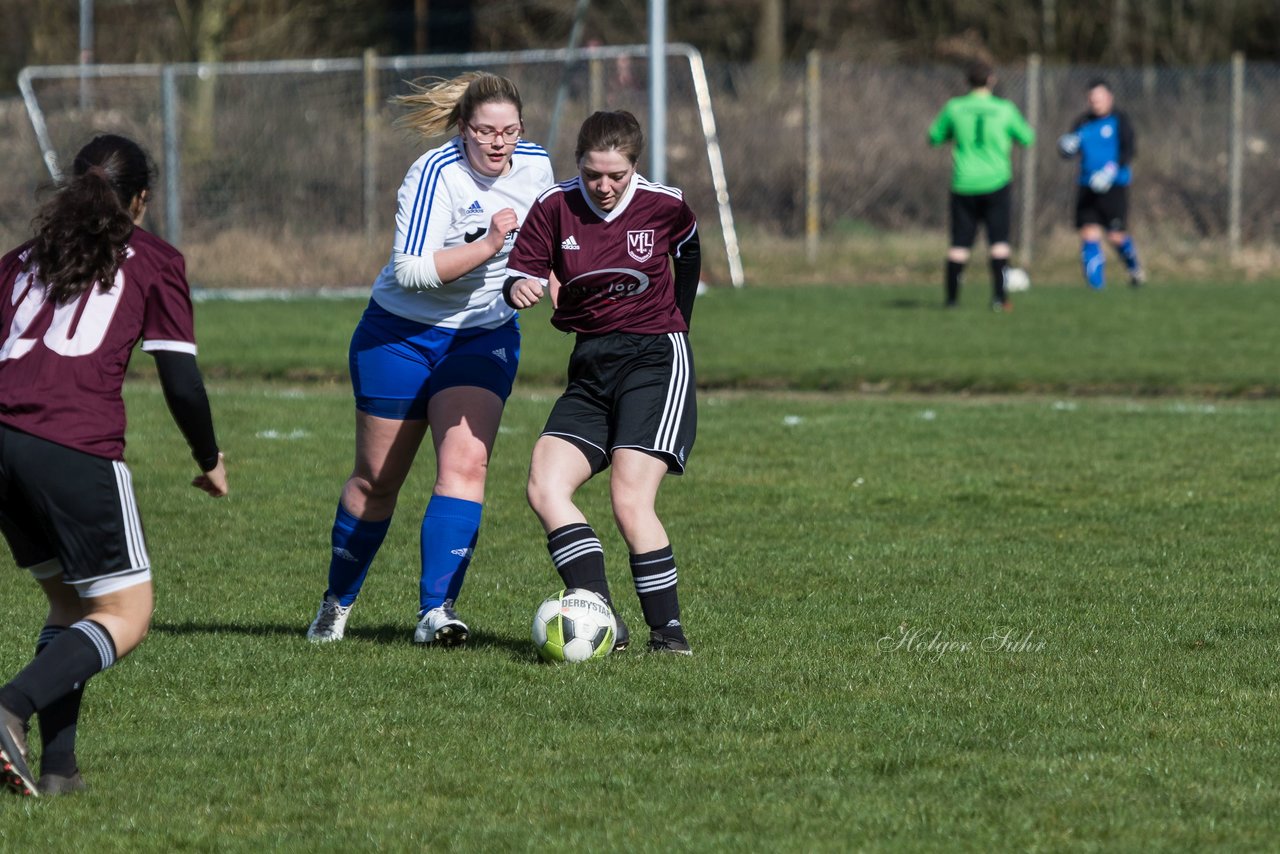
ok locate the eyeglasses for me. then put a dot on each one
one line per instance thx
(486, 136)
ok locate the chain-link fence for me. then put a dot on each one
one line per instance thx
(288, 175)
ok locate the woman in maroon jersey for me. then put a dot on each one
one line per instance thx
(73, 303)
(611, 239)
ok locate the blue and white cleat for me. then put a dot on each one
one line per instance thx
(441, 626)
(330, 623)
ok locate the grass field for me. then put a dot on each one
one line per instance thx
(955, 581)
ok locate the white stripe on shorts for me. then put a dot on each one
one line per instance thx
(129, 512)
(677, 393)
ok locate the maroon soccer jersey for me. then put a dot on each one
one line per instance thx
(613, 267)
(62, 367)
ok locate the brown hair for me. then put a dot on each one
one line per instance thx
(979, 74)
(616, 130)
(437, 105)
(82, 230)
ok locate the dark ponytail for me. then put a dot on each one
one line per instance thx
(82, 230)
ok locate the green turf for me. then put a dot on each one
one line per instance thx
(1190, 339)
(921, 622)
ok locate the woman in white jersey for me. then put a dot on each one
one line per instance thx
(437, 347)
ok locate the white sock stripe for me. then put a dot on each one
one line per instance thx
(100, 639)
(48, 633)
(660, 581)
(664, 559)
(576, 550)
(570, 531)
(677, 392)
(132, 522)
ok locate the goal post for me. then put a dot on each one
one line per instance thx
(304, 146)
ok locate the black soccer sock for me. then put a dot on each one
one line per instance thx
(999, 266)
(955, 270)
(579, 558)
(62, 667)
(58, 722)
(655, 577)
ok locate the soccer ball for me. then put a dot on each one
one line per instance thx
(1016, 280)
(573, 625)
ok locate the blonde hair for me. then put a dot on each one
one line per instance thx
(436, 105)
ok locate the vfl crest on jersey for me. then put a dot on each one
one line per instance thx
(640, 244)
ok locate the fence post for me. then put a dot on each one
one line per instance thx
(595, 85)
(369, 139)
(1237, 155)
(813, 156)
(1030, 161)
(172, 162)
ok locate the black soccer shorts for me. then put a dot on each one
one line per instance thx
(1109, 210)
(61, 504)
(995, 209)
(629, 391)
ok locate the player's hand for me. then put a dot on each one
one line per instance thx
(214, 481)
(526, 293)
(503, 223)
(1102, 180)
(1069, 144)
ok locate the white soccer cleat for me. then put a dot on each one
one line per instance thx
(441, 625)
(330, 623)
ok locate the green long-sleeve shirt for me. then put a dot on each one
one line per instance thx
(982, 129)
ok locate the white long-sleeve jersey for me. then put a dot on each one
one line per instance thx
(444, 202)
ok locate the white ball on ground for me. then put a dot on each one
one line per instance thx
(1016, 280)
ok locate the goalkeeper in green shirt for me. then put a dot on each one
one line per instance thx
(982, 129)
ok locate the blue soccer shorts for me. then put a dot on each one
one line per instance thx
(397, 365)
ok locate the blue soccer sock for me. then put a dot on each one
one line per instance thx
(355, 542)
(1094, 263)
(450, 529)
(1129, 253)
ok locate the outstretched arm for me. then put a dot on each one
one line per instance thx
(189, 404)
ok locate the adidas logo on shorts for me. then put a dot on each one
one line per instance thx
(569, 243)
(501, 353)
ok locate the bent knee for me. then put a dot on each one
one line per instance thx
(462, 474)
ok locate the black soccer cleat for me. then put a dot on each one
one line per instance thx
(60, 784)
(621, 637)
(14, 772)
(669, 639)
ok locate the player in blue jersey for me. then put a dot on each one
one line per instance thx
(437, 347)
(1103, 139)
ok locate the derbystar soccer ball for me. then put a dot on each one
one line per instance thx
(574, 625)
(1016, 280)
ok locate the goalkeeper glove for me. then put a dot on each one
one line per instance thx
(1102, 180)
(1069, 144)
